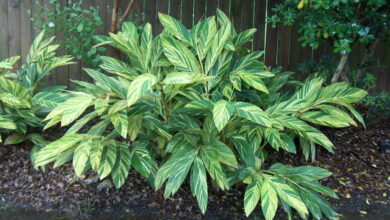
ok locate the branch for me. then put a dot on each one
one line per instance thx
(126, 14)
(114, 18)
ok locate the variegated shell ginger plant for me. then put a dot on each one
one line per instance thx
(192, 103)
(22, 104)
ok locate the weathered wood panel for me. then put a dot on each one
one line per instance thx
(280, 44)
(14, 45)
(4, 29)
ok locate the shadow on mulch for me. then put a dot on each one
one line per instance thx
(361, 179)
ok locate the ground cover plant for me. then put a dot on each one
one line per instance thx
(23, 103)
(190, 103)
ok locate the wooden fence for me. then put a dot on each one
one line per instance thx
(280, 44)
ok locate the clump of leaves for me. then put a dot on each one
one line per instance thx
(342, 21)
(187, 104)
(378, 105)
(77, 24)
(21, 105)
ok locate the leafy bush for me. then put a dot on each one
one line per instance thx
(378, 105)
(20, 103)
(76, 23)
(189, 101)
(341, 23)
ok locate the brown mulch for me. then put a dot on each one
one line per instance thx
(361, 179)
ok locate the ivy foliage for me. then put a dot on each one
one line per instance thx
(188, 104)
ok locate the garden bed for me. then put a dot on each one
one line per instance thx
(361, 179)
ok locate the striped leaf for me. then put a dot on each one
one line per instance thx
(120, 171)
(6, 123)
(141, 159)
(178, 159)
(73, 108)
(177, 78)
(253, 80)
(139, 87)
(81, 156)
(107, 159)
(225, 154)
(251, 197)
(118, 67)
(174, 27)
(134, 126)
(120, 122)
(217, 46)
(180, 56)
(222, 112)
(96, 154)
(269, 200)
(252, 113)
(210, 160)
(51, 151)
(198, 183)
(244, 37)
(289, 195)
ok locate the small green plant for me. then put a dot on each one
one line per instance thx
(342, 23)
(78, 25)
(324, 67)
(378, 105)
(20, 103)
(191, 103)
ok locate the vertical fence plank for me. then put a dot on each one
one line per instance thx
(162, 7)
(199, 10)
(187, 12)
(282, 58)
(51, 79)
(150, 11)
(224, 6)
(4, 29)
(295, 49)
(14, 27)
(235, 13)
(271, 39)
(108, 5)
(175, 9)
(247, 17)
(211, 7)
(259, 24)
(138, 10)
(25, 28)
(35, 10)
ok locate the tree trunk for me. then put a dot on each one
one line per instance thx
(117, 22)
(114, 17)
(340, 67)
(366, 61)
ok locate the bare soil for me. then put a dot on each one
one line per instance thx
(361, 179)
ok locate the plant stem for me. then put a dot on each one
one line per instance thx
(165, 104)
